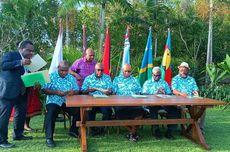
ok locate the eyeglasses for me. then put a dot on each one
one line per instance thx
(156, 75)
(128, 71)
(100, 70)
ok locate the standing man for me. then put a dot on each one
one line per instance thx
(13, 92)
(98, 83)
(61, 85)
(185, 85)
(158, 86)
(126, 85)
(83, 67)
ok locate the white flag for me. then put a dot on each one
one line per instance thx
(57, 56)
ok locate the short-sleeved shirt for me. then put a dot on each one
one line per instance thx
(126, 86)
(83, 68)
(67, 83)
(91, 81)
(151, 86)
(185, 85)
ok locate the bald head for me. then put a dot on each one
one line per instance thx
(63, 68)
(126, 70)
(89, 55)
(99, 70)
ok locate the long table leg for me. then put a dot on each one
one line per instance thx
(193, 131)
(83, 140)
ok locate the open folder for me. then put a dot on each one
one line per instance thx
(41, 77)
(37, 62)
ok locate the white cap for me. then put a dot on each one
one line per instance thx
(184, 64)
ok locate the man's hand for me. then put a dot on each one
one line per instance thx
(60, 93)
(160, 91)
(195, 93)
(183, 94)
(70, 93)
(78, 77)
(26, 61)
(92, 89)
(37, 86)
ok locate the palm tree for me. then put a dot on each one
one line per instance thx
(70, 4)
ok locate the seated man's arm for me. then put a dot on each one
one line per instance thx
(54, 92)
(86, 86)
(178, 93)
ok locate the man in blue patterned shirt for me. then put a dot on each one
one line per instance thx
(126, 85)
(158, 86)
(62, 84)
(98, 83)
(185, 85)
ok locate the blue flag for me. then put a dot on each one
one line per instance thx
(145, 72)
(126, 54)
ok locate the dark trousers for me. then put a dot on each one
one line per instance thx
(106, 113)
(172, 113)
(6, 106)
(52, 113)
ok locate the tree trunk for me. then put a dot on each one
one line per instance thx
(102, 24)
(67, 41)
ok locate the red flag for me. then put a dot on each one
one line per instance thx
(106, 56)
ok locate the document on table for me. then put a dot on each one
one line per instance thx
(195, 97)
(165, 96)
(138, 96)
(41, 77)
(37, 62)
(100, 96)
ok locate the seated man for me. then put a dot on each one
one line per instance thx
(98, 83)
(158, 86)
(61, 85)
(184, 85)
(126, 85)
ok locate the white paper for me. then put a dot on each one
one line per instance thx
(100, 96)
(36, 63)
(138, 96)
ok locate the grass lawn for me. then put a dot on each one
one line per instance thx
(217, 136)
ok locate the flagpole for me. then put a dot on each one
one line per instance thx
(209, 48)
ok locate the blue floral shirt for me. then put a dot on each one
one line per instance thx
(67, 83)
(92, 81)
(126, 86)
(185, 85)
(151, 87)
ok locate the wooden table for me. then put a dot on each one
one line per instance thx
(191, 128)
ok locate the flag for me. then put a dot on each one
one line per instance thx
(145, 71)
(57, 56)
(106, 56)
(166, 72)
(126, 54)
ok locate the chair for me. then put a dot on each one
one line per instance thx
(65, 115)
